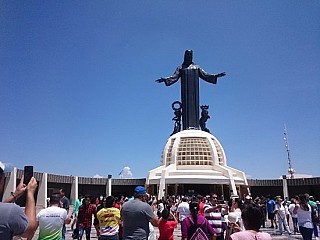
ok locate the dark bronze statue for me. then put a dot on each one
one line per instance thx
(204, 117)
(177, 117)
(189, 74)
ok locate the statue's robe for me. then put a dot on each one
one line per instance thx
(190, 91)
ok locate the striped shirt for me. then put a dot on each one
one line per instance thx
(214, 218)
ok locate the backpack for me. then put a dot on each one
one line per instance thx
(197, 232)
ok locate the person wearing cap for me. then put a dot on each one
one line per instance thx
(136, 215)
(15, 221)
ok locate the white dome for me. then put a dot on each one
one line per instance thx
(193, 148)
(194, 157)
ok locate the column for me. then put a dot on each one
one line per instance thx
(285, 187)
(12, 183)
(42, 191)
(109, 185)
(74, 189)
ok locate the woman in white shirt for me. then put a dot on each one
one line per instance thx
(303, 211)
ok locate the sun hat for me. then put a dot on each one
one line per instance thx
(232, 217)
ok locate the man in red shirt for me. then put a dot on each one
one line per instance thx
(86, 211)
(166, 227)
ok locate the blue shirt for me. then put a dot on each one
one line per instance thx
(270, 205)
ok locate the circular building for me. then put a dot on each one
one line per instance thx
(194, 162)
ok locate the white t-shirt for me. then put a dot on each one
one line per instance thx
(281, 210)
(183, 210)
(291, 207)
(51, 220)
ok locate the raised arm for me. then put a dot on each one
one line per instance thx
(21, 188)
(30, 209)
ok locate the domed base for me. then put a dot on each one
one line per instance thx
(194, 157)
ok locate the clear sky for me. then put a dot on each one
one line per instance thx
(78, 93)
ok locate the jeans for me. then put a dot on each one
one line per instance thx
(81, 231)
(64, 230)
(285, 223)
(295, 224)
(306, 233)
(114, 237)
(74, 221)
(315, 230)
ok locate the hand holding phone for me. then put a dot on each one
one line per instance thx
(28, 174)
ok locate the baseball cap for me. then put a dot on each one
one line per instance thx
(140, 190)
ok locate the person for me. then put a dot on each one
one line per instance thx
(280, 212)
(189, 74)
(76, 205)
(86, 211)
(2, 180)
(196, 226)
(15, 221)
(109, 220)
(261, 203)
(183, 209)
(136, 215)
(102, 204)
(233, 224)
(201, 204)
(51, 220)
(237, 210)
(294, 216)
(160, 207)
(303, 211)
(165, 226)
(212, 212)
(270, 208)
(314, 217)
(252, 220)
(64, 202)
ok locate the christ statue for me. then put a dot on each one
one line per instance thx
(189, 74)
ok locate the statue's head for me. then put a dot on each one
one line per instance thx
(188, 57)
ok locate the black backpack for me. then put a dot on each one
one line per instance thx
(197, 231)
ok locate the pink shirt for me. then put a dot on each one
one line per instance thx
(248, 235)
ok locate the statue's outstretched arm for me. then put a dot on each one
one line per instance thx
(220, 74)
(170, 80)
(160, 80)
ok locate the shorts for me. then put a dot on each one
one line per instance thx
(270, 215)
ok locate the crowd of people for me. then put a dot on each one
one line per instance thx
(200, 217)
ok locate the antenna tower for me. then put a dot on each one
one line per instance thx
(290, 169)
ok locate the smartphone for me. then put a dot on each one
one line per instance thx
(28, 174)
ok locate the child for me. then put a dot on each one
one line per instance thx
(166, 227)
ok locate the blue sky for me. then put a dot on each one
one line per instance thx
(78, 97)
